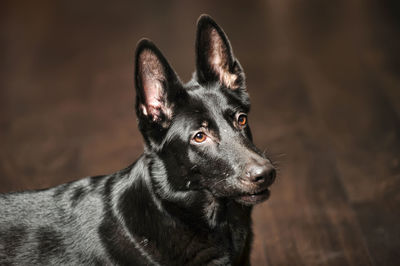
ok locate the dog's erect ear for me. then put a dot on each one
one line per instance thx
(214, 57)
(156, 85)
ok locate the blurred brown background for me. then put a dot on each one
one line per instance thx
(324, 81)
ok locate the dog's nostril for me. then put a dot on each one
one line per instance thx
(265, 174)
(258, 178)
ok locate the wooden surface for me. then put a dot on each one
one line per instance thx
(324, 82)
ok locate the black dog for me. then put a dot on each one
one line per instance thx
(186, 201)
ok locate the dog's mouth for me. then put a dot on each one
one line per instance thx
(253, 198)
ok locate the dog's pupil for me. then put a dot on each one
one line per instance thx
(242, 119)
(199, 137)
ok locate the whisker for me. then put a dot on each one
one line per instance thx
(224, 179)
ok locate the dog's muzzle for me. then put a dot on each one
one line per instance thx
(259, 175)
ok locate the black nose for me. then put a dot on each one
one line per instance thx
(259, 173)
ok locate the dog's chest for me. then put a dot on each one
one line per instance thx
(222, 245)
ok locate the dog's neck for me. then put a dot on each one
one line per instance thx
(195, 219)
(192, 205)
(193, 208)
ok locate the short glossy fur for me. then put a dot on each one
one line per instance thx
(186, 201)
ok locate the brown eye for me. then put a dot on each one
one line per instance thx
(200, 137)
(242, 120)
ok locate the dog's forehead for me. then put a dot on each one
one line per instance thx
(205, 107)
(211, 99)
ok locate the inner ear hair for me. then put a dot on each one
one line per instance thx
(214, 57)
(153, 82)
(219, 58)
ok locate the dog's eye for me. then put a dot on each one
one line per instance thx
(242, 120)
(200, 137)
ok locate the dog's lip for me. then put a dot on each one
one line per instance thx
(255, 192)
(252, 198)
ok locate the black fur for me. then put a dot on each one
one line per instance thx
(186, 201)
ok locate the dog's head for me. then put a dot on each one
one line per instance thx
(198, 133)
